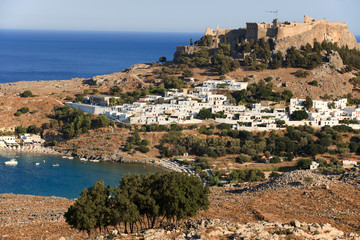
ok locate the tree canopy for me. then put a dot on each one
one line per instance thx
(139, 202)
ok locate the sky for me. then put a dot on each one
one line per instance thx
(168, 15)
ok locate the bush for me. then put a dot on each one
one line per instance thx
(275, 160)
(143, 149)
(26, 94)
(24, 110)
(187, 73)
(243, 158)
(273, 174)
(304, 163)
(299, 115)
(53, 143)
(204, 113)
(268, 79)
(79, 98)
(302, 73)
(309, 179)
(314, 83)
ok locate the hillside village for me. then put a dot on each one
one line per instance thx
(177, 107)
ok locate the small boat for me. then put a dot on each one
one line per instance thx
(70, 157)
(43, 161)
(37, 164)
(56, 165)
(83, 159)
(95, 160)
(12, 162)
(64, 157)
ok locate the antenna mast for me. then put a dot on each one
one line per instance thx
(276, 13)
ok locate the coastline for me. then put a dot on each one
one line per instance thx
(31, 150)
(120, 158)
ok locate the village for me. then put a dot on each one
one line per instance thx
(183, 107)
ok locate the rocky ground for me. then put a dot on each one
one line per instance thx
(287, 207)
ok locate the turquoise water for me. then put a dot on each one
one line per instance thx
(67, 180)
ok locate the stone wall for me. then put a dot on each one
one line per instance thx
(185, 51)
(292, 30)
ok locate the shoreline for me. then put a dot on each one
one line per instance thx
(31, 150)
(165, 164)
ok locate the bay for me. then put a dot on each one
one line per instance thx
(67, 180)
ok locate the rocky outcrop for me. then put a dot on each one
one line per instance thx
(107, 156)
(128, 76)
(218, 229)
(299, 179)
(335, 60)
(327, 31)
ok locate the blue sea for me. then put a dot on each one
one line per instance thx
(57, 55)
(67, 180)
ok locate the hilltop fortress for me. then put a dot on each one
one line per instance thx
(283, 34)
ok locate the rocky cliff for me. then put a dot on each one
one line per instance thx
(324, 31)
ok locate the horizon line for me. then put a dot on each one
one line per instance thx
(95, 30)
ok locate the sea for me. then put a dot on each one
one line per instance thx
(28, 55)
(67, 180)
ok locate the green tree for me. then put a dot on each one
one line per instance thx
(20, 130)
(90, 209)
(287, 95)
(299, 115)
(143, 149)
(173, 82)
(187, 73)
(33, 129)
(304, 163)
(79, 98)
(204, 113)
(162, 59)
(308, 103)
(206, 41)
(26, 94)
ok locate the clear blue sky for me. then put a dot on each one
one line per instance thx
(167, 15)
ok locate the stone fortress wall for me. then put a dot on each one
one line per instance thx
(284, 35)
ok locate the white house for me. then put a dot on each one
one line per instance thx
(314, 165)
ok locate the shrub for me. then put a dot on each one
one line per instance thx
(187, 73)
(302, 73)
(26, 94)
(243, 158)
(299, 115)
(53, 143)
(204, 113)
(24, 110)
(268, 79)
(304, 163)
(275, 160)
(274, 174)
(143, 149)
(309, 179)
